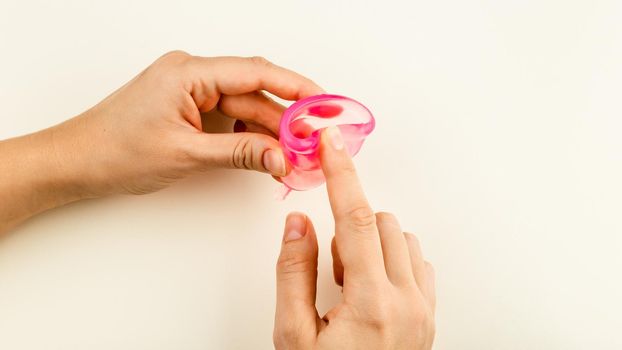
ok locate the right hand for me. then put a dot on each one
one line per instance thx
(388, 289)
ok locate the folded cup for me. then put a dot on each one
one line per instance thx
(299, 135)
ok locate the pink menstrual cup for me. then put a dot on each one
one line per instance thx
(300, 130)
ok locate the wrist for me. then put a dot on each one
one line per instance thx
(31, 180)
(67, 149)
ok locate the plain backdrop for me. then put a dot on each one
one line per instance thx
(498, 143)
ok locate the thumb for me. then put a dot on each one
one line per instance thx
(296, 276)
(244, 150)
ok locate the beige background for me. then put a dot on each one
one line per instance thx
(498, 143)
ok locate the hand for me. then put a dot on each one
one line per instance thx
(388, 289)
(148, 133)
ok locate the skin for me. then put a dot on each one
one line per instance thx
(148, 134)
(388, 289)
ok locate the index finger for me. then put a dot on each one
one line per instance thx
(240, 75)
(357, 238)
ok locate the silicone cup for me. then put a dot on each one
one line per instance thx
(299, 135)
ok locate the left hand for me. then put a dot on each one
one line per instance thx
(148, 133)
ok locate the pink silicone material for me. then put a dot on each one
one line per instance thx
(300, 129)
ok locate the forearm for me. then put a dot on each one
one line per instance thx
(37, 173)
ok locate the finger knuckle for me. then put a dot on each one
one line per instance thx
(173, 58)
(226, 104)
(176, 53)
(411, 239)
(382, 317)
(343, 170)
(386, 218)
(348, 170)
(417, 317)
(384, 314)
(361, 216)
(242, 156)
(166, 69)
(294, 263)
(429, 268)
(260, 61)
(423, 320)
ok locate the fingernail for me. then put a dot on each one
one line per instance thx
(336, 139)
(295, 227)
(239, 126)
(273, 162)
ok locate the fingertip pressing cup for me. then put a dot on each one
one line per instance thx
(299, 135)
